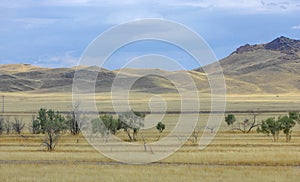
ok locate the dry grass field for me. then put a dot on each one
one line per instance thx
(232, 156)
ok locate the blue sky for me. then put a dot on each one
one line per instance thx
(55, 33)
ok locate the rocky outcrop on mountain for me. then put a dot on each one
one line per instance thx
(285, 45)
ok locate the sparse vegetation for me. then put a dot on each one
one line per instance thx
(232, 149)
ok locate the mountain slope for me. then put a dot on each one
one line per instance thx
(264, 68)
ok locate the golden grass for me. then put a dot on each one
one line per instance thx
(230, 157)
(32, 101)
(132, 173)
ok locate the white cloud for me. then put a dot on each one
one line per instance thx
(257, 5)
(296, 27)
(30, 23)
(65, 60)
(239, 5)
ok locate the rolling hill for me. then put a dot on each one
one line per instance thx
(263, 68)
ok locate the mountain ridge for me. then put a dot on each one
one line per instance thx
(271, 67)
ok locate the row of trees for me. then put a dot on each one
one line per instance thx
(270, 126)
(48, 122)
(7, 126)
(129, 122)
(52, 124)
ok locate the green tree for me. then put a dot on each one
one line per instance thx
(270, 126)
(51, 123)
(35, 125)
(132, 120)
(42, 118)
(286, 124)
(128, 121)
(295, 116)
(160, 127)
(105, 125)
(230, 119)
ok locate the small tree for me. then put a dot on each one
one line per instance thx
(160, 127)
(52, 123)
(105, 125)
(1, 125)
(55, 123)
(251, 124)
(230, 119)
(18, 125)
(7, 125)
(286, 124)
(42, 119)
(73, 121)
(270, 126)
(131, 120)
(35, 125)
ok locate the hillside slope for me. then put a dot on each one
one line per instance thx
(271, 68)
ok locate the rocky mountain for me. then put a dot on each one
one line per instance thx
(272, 67)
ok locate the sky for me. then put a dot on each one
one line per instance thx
(55, 33)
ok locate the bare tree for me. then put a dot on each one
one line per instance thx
(18, 125)
(254, 123)
(195, 134)
(35, 126)
(247, 125)
(7, 125)
(73, 120)
(1, 124)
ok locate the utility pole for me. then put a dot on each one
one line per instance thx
(2, 103)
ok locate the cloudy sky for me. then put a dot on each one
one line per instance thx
(54, 33)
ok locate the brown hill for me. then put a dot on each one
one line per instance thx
(264, 68)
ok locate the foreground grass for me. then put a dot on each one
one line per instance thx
(131, 173)
(230, 157)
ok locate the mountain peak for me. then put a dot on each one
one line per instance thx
(282, 44)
